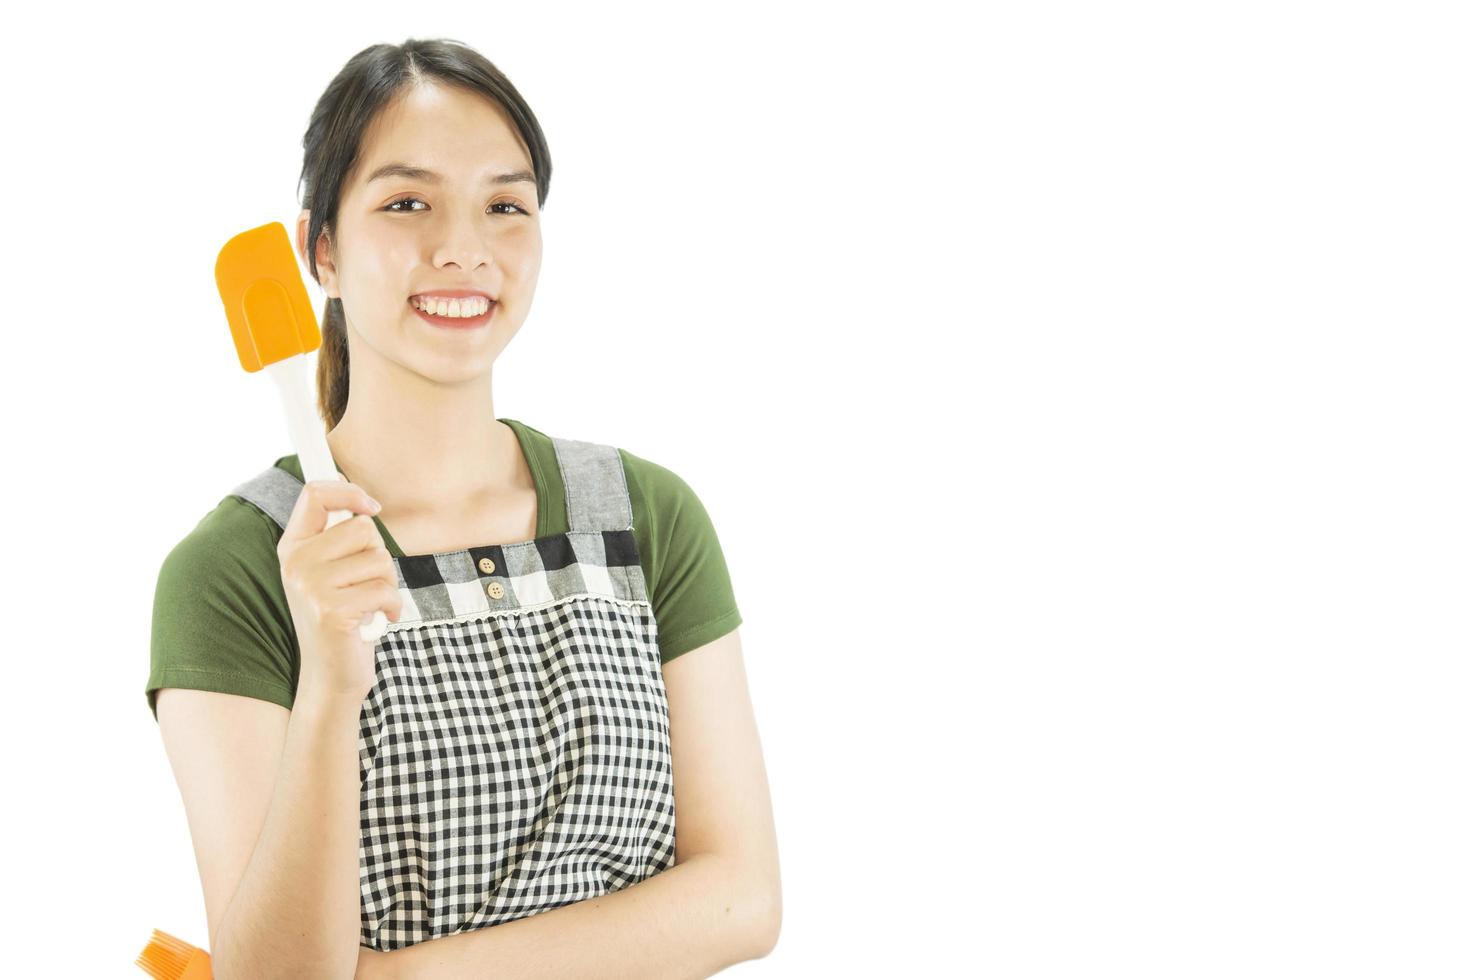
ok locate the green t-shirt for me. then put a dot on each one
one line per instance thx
(221, 621)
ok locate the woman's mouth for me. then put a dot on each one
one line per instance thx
(455, 322)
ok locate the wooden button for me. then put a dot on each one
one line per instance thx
(495, 590)
(486, 565)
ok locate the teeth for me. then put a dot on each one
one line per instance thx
(470, 306)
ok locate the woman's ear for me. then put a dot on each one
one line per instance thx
(303, 224)
(325, 271)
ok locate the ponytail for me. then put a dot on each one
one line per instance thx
(332, 365)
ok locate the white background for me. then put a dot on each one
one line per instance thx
(1077, 390)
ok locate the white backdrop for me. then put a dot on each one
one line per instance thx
(1076, 390)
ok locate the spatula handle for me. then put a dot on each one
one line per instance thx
(309, 439)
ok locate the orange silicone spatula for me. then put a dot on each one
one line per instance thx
(274, 327)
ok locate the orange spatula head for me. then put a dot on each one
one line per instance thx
(270, 315)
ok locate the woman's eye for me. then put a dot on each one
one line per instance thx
(405, 200)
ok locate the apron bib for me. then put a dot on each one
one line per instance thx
(514, 751)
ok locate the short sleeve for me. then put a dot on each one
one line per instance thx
(220, 617)
(687, 576)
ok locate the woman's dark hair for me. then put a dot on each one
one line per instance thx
(370, 80)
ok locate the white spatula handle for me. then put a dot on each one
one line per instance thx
(309, 438)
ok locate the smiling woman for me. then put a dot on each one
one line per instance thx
(450, 159)
(567, 634)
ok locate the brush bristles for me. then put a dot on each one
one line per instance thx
(165, 957)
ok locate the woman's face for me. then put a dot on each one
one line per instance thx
(402, 235)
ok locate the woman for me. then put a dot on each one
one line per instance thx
(562, 632)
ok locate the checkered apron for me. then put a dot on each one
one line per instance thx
(514, 750)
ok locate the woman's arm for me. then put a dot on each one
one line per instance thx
(296, 911)
(691, 920)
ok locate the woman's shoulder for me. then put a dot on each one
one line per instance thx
(662, 490)
(220, 618)
(235, 537)
(240, 533)
(687, 573)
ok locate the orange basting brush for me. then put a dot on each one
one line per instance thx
(274, 327)
(170, 958)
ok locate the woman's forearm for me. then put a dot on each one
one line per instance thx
(296, 911)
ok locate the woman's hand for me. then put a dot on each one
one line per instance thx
(333, 576)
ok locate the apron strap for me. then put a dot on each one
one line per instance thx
(274, 491)
(596, 486)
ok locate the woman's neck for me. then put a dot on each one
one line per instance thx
(415, 470)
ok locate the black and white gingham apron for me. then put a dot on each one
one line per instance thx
(514, 750)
